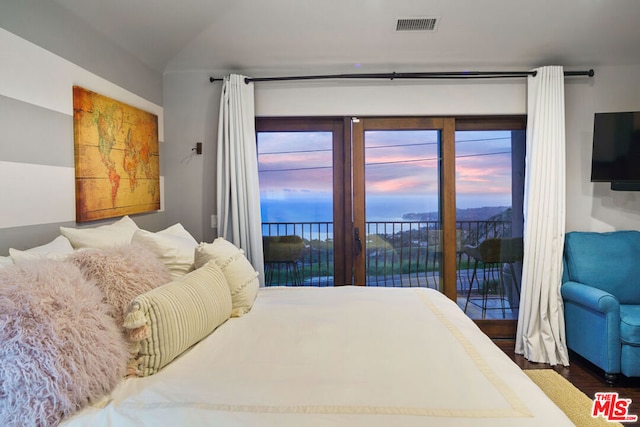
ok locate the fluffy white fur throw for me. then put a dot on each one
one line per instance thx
(122, 273)
(59, 348)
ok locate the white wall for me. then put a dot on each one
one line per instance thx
(589, 206)
(390, 98)
(594, 206)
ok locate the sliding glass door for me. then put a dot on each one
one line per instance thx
(403, 210)
(400, 202)
(489, 166)
(301, 165)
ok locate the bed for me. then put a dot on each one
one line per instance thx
(344, 356)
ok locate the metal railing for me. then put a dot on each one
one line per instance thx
(398, 253)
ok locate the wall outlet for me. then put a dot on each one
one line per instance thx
(214, 221)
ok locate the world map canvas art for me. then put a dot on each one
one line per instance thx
(116, 157)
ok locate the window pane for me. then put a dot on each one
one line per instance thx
(296, 198)
(402, 208)
(488, 215)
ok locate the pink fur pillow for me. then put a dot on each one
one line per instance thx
(122, 273)
(60, 350)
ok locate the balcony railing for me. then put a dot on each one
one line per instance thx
(404, 254)
(398, 253)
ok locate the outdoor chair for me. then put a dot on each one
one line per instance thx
(494, 254)
(282, 253)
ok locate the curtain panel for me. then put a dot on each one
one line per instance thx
(540, 333)
(238, 193)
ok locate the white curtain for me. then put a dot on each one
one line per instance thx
(238, 195)
(540, 332)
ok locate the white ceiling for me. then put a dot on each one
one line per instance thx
(282, 37)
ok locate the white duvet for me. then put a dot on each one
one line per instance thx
(347, 356)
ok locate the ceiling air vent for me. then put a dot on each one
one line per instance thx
(417, 24)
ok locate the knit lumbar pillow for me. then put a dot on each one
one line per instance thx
(164, 322)
(240, 274)
(122, 273)
(60, 350)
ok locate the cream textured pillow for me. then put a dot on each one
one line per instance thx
(58, 248)
(240, 274)
(166, 321)
(121, 273)
(173, 246)
(103, 236)
(5, 261)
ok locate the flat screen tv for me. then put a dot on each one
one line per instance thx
(616, 150)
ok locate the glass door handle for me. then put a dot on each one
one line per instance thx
(357, 247)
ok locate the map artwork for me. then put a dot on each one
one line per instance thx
(116, 157)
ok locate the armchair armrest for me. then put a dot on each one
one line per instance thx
(592, 324)
(590, 297)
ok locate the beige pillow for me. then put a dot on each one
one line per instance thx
(103, 236)
(166, 321)
(59, 248)
(5, 261)
(240, 274)
(173, 246)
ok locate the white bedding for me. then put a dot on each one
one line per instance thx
(347, 356)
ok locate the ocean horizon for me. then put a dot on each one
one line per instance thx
(378, 208)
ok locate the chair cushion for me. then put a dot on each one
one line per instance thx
(606, 261)
(630, 324)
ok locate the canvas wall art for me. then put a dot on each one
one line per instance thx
(117, 168)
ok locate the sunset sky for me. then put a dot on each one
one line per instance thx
(400, 169)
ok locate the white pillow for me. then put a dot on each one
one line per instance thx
(174, 246)
(58, 248)
(103, 236)
(5, 261)
(240, 274)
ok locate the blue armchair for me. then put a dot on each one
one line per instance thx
(601, 294)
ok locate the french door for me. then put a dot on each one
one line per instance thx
(393, 201)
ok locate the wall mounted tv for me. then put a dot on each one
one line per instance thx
(616, 150)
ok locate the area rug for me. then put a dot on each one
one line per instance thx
(570, 399)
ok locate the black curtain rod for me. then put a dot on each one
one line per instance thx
(394, 75)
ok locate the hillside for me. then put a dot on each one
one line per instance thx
(471, 214)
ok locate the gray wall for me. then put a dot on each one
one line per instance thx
(191, 116)
(52, 27)
(47, 51)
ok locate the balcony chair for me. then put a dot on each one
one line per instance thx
(282, 251)
(494, 253)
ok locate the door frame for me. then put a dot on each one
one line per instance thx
(447, 199)
(342, 212)
(346, 190)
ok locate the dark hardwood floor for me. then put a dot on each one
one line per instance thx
(584, 375)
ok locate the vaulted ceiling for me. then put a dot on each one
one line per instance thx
(280, 37)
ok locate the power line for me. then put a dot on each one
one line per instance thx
(386, 163)
(297, 151)
(384, 146)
